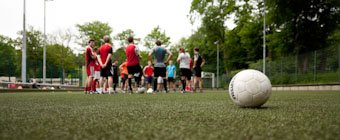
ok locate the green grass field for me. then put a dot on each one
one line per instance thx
(211, 115)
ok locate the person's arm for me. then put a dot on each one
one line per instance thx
(108, 58)
(195, 59)
(169, 56)
(203, 62)
(100, 61)
(144, 71)
(178, 58)
(175, 73)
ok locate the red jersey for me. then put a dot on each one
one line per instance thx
(132, 56)
(97, 66)
(148, 71)
(88, 57)
(104, 51)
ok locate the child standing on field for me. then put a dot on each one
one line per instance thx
(124, 76)
(148, 74)
(96, 78)
(115, 75)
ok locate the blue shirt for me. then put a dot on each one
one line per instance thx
(171, 70)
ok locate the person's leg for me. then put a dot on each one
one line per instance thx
(195, 83)
(183, 80)
(130, 81)
(201, 84)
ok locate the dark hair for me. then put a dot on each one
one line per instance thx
(182, 50)
(197, 49)
(158, 43)
(130, 39)
(91, 40)
(95, 49)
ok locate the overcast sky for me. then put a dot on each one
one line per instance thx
(139, 15)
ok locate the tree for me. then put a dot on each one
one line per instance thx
(60, 61)
(8, 57)
(35, 40)
(154, 35)
(302, 25)
(62, 40)
(93, 30)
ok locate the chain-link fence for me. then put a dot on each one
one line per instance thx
(315, 67)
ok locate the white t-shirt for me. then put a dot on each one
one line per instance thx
(184, 60)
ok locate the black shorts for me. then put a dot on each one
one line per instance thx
(160, 71)
(171, 79)
(115, 79)
(198, 71)
(186, 73)
(107, 71)
(134, 70)
(124, 77)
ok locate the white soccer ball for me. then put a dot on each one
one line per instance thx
(149, 91)
(250, 88)
(141, 90)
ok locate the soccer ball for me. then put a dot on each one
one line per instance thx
(250, 88)
(149, 91)
(141, 90)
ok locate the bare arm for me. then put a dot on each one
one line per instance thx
(100, 61)
(150, 56)
(169, 56)
(107, 59)
(203, 62)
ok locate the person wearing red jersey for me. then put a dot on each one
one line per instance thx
(95, 82)
(134, 69)
(105, 52)
(148, 74)
(90, 64)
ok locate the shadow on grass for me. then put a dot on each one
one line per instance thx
(261, 108)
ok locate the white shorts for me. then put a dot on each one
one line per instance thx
(97, 75)
(159, 80)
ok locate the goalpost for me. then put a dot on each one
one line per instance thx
(208, 80)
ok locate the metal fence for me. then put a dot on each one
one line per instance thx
(315, 67)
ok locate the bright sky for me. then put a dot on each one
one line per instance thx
(139, 15)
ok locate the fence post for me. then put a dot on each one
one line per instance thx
(339, 63)
(296, 68)
(314, 66)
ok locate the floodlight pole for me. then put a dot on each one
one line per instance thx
(23, 49)
(264, 37)
(218, 64)
(45, 43)
(44, 48)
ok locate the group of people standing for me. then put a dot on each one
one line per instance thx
(102, 70)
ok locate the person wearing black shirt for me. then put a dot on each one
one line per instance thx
(198, 64)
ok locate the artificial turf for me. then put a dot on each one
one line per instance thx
(210, 115)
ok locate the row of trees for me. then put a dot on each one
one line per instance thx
(292, 27)
(61, 60)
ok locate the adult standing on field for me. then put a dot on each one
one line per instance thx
(90, 60)
(134, 69)
(105, 52)
(159, 53)
(184, 66)
(198, 64)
